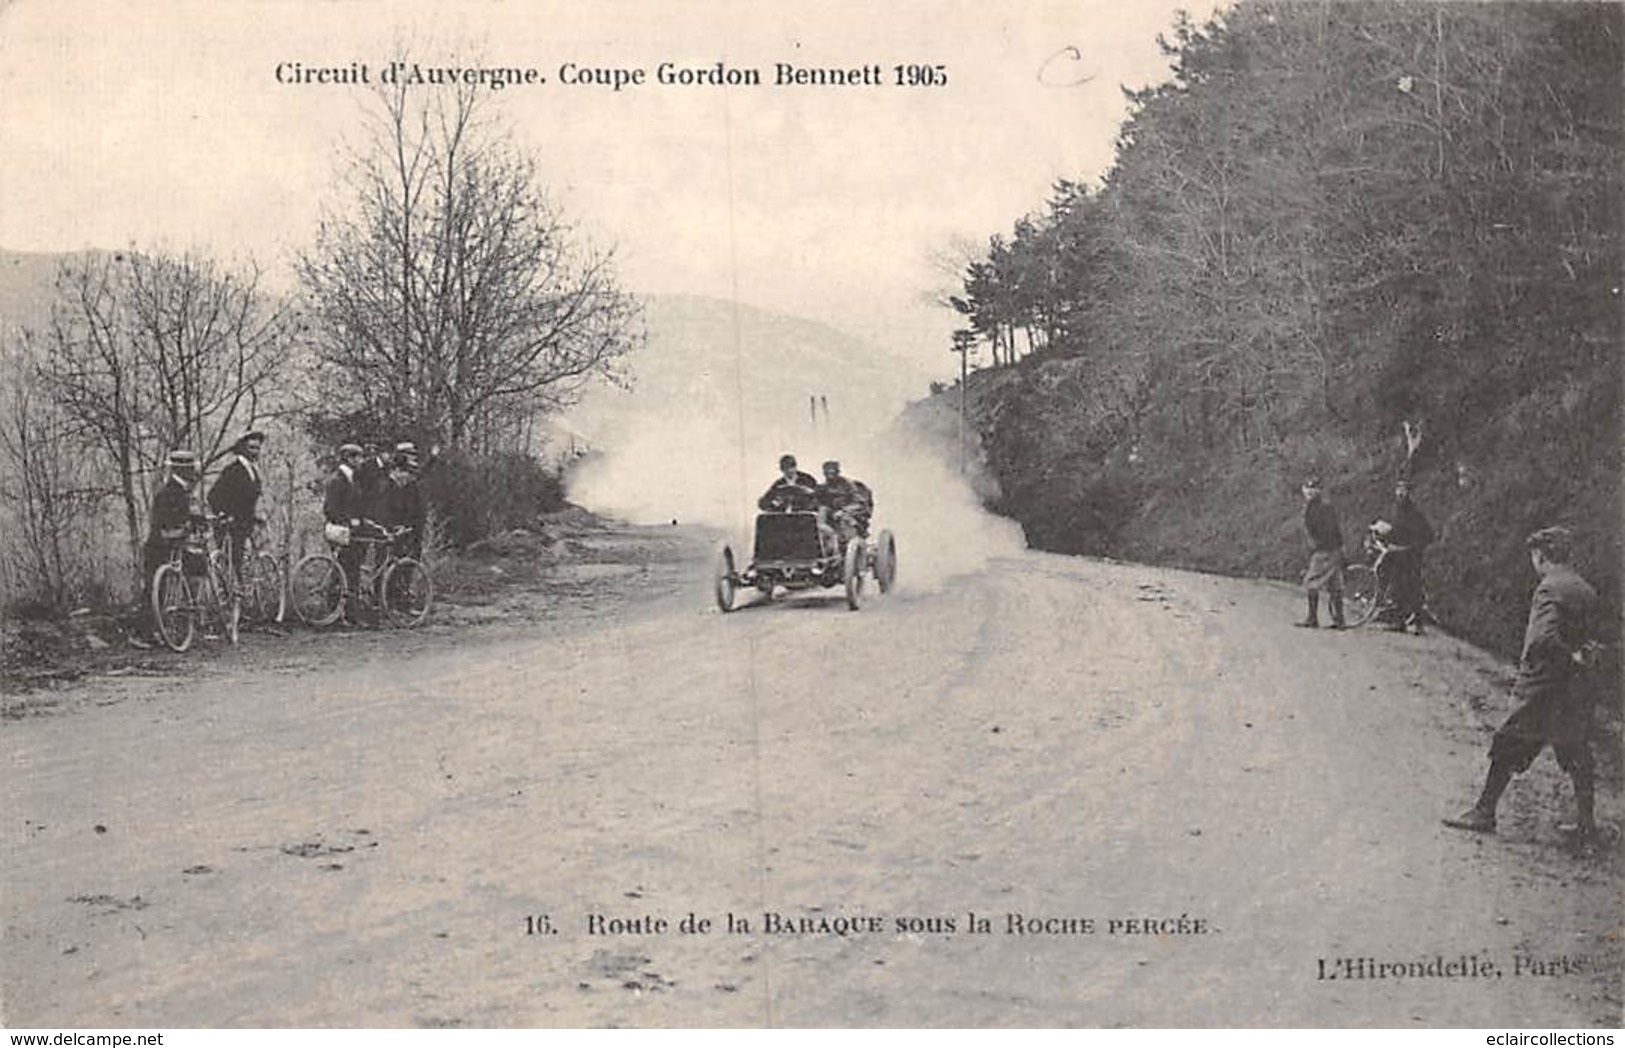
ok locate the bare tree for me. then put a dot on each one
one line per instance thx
(45, 486)
(449, 294)
(148, 352)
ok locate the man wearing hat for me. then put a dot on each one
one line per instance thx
(341, 505)
(372, 478)
(1325, 570)
(1406, 533)
(236, 495)
(166, 524)
(793, 491)
(403, 500)
(1552, 702)
(845, 501)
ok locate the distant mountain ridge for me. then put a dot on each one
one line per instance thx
(27, 283)
(728, 363)
(751, 369)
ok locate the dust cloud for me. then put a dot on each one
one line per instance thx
(697, 468)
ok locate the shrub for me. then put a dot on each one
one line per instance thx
(479, 495)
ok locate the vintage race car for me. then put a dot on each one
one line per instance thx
(793, 552)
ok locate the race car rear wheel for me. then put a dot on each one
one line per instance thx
(727, 579)
(852, 574)
(886, 561)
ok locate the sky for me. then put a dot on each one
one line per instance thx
(162, 125)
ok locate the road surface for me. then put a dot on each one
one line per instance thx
(1168, 807)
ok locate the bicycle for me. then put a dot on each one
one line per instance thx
(178, 604)
(397, 590)
(259, 574)
(1368, 590)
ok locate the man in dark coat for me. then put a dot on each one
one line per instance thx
(793, 491)
(403, 500)
(841, 497)
(1552, 704)
(372, 478)
(1407, 534)
(167, 525)
(236, 495)
(342, 506)
(1325, 570)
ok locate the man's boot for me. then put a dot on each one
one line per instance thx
(1312, 620)
(1480, 818)
(1585, 801)
(1336, 600)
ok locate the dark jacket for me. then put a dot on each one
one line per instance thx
(341, 504)
(1411, 529)
(1320, 521)
(401, 504)
(844, 493)
(236, 492)
(372, 486)
(788, 496)
(1560, 623)
(171, 512)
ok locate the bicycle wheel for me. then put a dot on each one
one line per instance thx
(1359, 594)
(407, 592)
(172, 608)
(317, 586)
(265, 598)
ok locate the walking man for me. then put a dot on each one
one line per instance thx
(1552, 703)
(1325, 570)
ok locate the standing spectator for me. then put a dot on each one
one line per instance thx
(166, 525)
(1325, 570)
(372, 478)
(341, 505)
(403, 502)
(236, 496)
(1407, 535)
(1551, 703)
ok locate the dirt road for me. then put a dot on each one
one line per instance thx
(1168, 807)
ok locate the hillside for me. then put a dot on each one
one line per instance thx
(26, 282)
(1331, 222)
(718, 393)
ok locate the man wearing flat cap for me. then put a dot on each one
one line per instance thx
(1325, 570)
(372, 477)
(845, 503)
(1552, 704)
(236, 495)
(342, 506)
